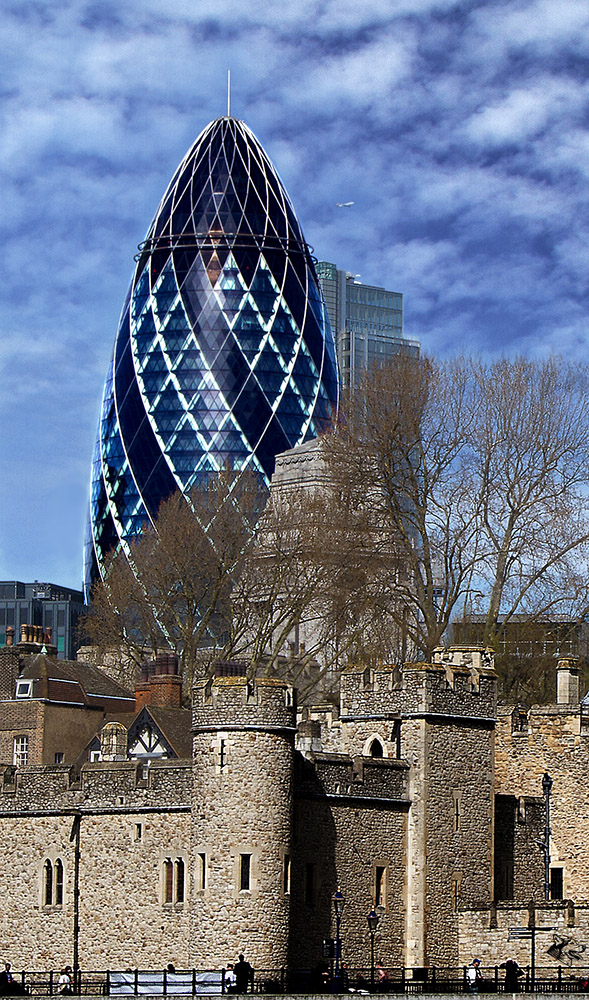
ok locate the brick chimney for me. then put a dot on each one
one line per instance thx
(160, 684)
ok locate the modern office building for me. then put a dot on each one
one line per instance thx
(367, 321)
(44, 605)
(224, 354)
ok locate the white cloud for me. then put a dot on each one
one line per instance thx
(458, 130)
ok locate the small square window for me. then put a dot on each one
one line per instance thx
(24, 689)
(59, 757)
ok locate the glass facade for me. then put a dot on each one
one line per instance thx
(44, 604)
(367, 321)
(224, 355)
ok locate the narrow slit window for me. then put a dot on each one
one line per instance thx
(202, 871)
(309, 884)
(179, 880)
(58, 883)
(286, 874)
(456, 813)
(380, 878)
(455, 893)
(48, 883)
(168, 881)
(245, 870)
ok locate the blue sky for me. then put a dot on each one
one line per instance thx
(458, 129)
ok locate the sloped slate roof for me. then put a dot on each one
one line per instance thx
(75, 681)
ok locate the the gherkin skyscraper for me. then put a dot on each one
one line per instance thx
(224, 356)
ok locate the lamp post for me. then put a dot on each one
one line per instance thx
(546, 789)
(338, 906)
(372, 919)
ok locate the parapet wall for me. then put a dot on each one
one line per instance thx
(105, 786)
(360, 777)
(260, 702)
(460, 682)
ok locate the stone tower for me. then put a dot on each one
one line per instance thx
(439, 717)
(241, 820)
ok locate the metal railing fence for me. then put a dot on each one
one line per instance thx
(362, 980)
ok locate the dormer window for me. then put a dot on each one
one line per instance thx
(24, 689)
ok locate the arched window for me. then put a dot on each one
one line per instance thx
(48, 883)
(168, 881)
(376, 749)
(58, 872)
(174, 880)
(179, 880)
(52, 882)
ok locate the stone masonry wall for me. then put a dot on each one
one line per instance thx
(350, 819)
(519, 864)
(459, 826)
(562, 936)
(128, 827)
(243, 760)
(553, 740)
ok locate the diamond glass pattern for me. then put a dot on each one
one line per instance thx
(224, 354)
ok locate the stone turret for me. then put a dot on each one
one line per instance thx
(243, 761)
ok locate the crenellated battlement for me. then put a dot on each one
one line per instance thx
(261, 702)
(461, 681)
(332, 774)
(102, 786)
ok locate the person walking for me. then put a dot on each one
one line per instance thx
(229, 979)
(474, 976)
(512, 975)
(244, 975)
(64, 983)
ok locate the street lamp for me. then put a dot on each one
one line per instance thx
(338, 905)
(546, 789)
(372, 919)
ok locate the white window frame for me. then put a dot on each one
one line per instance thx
(20, 751)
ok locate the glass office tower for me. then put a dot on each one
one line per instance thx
(224, 355)
(367, 321)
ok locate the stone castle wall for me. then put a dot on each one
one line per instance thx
(243, 763)
(552, 739)
(561, 937)
(350, 820)
(459, 830)
(129, 825)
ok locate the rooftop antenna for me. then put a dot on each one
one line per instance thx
(229, 93)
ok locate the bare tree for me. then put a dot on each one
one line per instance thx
(531, 444)
(172, 588)
(215, 578)
(469, 482)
